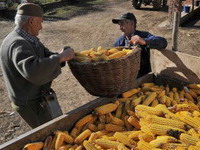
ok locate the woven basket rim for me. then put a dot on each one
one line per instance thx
(135, 50)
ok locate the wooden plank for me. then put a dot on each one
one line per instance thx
(176, 65)
(175, 31)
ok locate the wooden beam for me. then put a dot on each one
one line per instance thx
(176, 22)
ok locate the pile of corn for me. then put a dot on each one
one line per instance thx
(101, 54)
(147, 118)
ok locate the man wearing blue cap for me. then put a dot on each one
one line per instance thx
(29, 67)
(127, 23)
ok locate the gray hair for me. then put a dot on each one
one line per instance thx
(20, 20)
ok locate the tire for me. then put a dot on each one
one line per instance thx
(156, 4)
(136, 4)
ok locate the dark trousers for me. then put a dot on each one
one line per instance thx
(33, 113)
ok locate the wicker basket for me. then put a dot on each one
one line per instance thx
(108, 78)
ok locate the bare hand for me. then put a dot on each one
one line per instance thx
(137, 40)
(66, 54)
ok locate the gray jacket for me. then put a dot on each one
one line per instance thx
(26, 68)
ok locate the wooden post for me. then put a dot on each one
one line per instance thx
(176, 23)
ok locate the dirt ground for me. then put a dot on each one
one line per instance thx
(83, 32)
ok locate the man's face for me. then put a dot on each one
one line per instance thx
(127, 27)
(35, 24)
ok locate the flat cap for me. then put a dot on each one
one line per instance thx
(30, 9)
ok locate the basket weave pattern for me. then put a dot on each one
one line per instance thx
(108, 78)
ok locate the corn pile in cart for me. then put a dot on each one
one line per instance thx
(150, 117)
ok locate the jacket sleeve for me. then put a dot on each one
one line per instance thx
(155, 42)
(35, 69)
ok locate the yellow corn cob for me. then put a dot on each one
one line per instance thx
(171, 95)
(102, 133)
(168, 102)
(88, 145)
(174, 89)
(196, 113)
(193, 94)
(151, 119)
(161, 140)
(198, 144)
(167, 89)
(143, 122)
(107, 108)
(162, 93)
(82, 59)
(131, 113)
(124, 139)
(59, 141)
(154, 103)
(173, 146)
(188, 139)
(34, 146)
(142, 114)
(130, 93)
(147, 137)
(116, 121)
(128, 126)
(73, 147)
(197, 91)
(104, 143)
(148, 84)
(75, 131)
(189, 120)
(102, 119)
(134, 122)
(192, 132)
(84, 120)
(142, 145)
(189, 97)
(84, 135)
(181, 95)
(162, 99)
(114, 128)
(148, 109)
(150, 98)
(161, 129)
(113, 50)
(93, 136)
(123, 99)
(176, 97)
(134, 135)
(137, 101)
(80, 147)
(117, 55)
(48, 142)
(119, 111)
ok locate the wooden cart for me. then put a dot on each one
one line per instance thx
(168, 68)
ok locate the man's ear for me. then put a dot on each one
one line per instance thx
(31, 20)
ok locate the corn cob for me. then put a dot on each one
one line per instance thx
(34, 146)
(167, 89)
(137, 101)
(131, 113)
(114, 128)
(148, 84)
(93, 137)
(181, 95)
(117, 55)
(154, 103)
(123, 99)
(64, 147)
(188, 139)
(197, 91)
(189, 97)
(116, 121)
(142, 145)
(148, 109)
(193, 94)
(143, 122)
(150, 98)
(84, 120)
(171, 95)
(88, 145)
(162, 130)
(113, 50)
(130, 93)
(92, 127)
(102, 119)
(194, 86)
(164, 121)
(147, 137)
(173, 146)
(162, 93)
(59, 141)
(75, 131)
(192, 132)
(134, 122)
(168, 102)
(119, 111)
(107, 108)
(162, 99)
(176, 97)
(124, 139)
(134, 135)
(174, 89)
(196, 113)
(104, 143)
(84, 135)
(128, 105)
(161, 140)
(189, 120)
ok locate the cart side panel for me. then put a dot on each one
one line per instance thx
(176, 65)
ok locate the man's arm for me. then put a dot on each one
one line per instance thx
(149, 40)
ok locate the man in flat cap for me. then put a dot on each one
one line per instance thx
(127, 23)
(29, 67)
